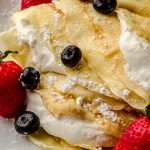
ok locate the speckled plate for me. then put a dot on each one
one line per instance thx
(9, 139)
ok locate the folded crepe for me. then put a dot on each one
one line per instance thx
(102, 51)
(108, 96)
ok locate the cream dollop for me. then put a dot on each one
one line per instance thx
(136, 53)
(42, 54)
(73, 130)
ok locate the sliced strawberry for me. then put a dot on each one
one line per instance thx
(28, 3)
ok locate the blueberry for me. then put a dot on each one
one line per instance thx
(71, 56)
(27, 123)
(104, 6)
(30, 78)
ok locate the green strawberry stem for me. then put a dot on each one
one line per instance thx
(148, 111)
(6, 53)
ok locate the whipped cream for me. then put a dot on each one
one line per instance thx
(136, 53)
(73, 130)
(42, 54)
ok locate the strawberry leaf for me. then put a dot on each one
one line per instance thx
(148, 111)
(6, 53)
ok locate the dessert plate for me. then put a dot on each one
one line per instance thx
(9, 138)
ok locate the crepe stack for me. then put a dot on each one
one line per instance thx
(98, 91)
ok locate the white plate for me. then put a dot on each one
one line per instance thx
(9, 138)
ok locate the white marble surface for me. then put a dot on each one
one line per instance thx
(11, 140)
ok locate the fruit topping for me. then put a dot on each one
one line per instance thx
(12, 94)
(28, 3)
(30, 78)
(136, 136)
(104, 6)
(27, 123)
(71, 56)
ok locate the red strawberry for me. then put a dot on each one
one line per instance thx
(12, 94)
(137, 136)
(28, 3)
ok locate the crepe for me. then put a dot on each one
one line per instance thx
(140, 7)
(115, 79)
(42, 139)
(100, 78)
(103, 63)
(118, 105)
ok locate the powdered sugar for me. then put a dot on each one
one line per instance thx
(79, 101)
(49, 81)
(56, 17)
(86, 106)
(57, 97)
(126, 92)
(98, 100)
(45, 33)
(68, 86)
(57, 43)
(103, 90)
(94, 86)
(105, 110)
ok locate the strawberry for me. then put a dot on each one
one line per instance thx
(28, 3)
(12, 94)
(136, 136)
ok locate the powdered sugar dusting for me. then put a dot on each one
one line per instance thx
(86, 106)
(97, 100)
(56, 17)
(68, 86)
(105, 110)
(79, 101)
(49, 81)
(126, 92)
(57, 96)
(57, 43)
(103, 90)
(94, 86)
(45, 33)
